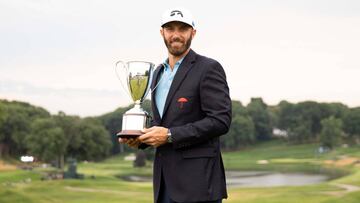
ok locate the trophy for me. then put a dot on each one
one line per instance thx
(137, 76)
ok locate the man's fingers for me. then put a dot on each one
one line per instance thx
(145, 137)
(130, 141)
(146, 130)
(122, 140)
(152, 136)
(133, 142)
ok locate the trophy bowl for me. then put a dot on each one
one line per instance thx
(137, 76)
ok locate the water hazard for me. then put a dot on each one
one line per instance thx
(271, 179)
(257, 179)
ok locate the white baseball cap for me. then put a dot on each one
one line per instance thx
(178, 14)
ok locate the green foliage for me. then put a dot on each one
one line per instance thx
(95, 143)
(15, 121)
(300, 133)
(238, 109)
(302, 121)
(352, 123)
(331, 132)
(257, 110)
(241, 133)
(26, 129)
(47, 141)
(70, 126)
(113, 124)
(95, 138)
(242, 129)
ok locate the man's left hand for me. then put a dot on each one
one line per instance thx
(154, 136)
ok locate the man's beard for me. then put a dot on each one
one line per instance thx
(178, 51)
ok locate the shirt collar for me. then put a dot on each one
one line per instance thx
(177, 64)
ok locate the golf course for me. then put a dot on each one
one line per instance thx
(106, 181)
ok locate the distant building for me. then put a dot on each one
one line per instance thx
(280, 133)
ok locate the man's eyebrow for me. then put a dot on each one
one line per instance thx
(185, 26)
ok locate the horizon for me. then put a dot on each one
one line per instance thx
(124, 106)
(60, 55)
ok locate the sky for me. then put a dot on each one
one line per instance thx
(61, 54)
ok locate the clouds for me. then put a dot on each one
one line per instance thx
(294, 50)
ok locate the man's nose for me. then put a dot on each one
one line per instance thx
(176, 32)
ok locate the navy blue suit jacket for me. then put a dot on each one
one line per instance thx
(197, 111)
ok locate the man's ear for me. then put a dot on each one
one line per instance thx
(193, 33)
(162, 32)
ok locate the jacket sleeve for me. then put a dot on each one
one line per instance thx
(215, 103)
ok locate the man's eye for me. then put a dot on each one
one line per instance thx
(184, 28)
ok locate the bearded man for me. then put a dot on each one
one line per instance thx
(192, 109)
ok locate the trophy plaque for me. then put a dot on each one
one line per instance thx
(137, 76)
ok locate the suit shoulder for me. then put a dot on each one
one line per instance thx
(207, 60)
(207, 64)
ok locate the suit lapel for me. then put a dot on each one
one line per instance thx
(185, 66)
(154, 83)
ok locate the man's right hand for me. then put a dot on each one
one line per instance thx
(133, 142)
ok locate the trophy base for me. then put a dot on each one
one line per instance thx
(129, 134)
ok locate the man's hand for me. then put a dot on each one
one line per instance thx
(133, 142)
(154, 136)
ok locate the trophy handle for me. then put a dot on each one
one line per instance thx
(123, 66)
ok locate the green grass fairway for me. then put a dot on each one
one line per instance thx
(102, 182)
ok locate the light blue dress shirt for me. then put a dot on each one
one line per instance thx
(164, 85)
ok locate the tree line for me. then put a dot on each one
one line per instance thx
(27, 129)
(328, 124)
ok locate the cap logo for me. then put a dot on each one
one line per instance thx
(176, 12)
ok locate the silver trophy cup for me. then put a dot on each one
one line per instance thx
(137, 76)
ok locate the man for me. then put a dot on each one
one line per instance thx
(191, 108)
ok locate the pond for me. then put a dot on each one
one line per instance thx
(271, 179)
(257, 179)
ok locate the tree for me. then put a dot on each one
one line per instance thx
(274, 112)
(302, 121)
(257, 110)
(47, 141)
(95, 142)
(113, 124)
(2, 124)
(299, 133)
(310, 112)
(238, 109)
(18, 127)
(241, 133)
(70, 126)
(15, 120)
(242, 129)
(352, 123)
(288, 117)
(331, 132)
